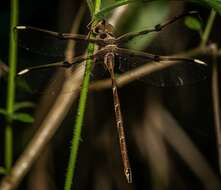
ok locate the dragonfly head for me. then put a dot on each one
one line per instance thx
(103, 30)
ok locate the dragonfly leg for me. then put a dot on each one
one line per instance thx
(128, 36)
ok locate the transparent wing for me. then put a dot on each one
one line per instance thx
(39, 48)
(45, 44)
(41, 43)
(39, 81)
(181, 73)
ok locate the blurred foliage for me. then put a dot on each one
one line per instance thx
(109, 5)
(215, 4)
(147, 16)
(193, 23)
(22, 117)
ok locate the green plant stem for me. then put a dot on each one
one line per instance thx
(208, 28)
(80, 114)
(78, 124)
(11, 85)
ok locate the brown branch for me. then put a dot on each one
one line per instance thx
(166, 125)
(216, 104)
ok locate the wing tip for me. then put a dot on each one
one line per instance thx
(22, 72)
(21, 27)
(200, 62)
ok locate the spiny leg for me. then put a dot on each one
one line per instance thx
(63, 36)
(109, 62)
(128, 36)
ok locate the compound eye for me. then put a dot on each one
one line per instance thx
(97, 30)
(103, 36)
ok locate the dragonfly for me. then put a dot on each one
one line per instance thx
(109, 50)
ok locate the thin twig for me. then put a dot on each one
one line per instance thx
(182, 144)
(208, 28)
(216, 105)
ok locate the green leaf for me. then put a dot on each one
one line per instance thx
(156, 13)
(109, 8)
(215, 4)
(193, 23)
(3, 111)
(23, 85)
(2, 170)
(91, 7)
(23, 117)
(21, 105)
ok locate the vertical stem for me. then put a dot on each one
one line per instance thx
(11, 84)
(208, 28)
(215, 84)
(216, 109)
(80, 115)
(78, 124)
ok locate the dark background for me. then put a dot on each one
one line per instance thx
(99, 162)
